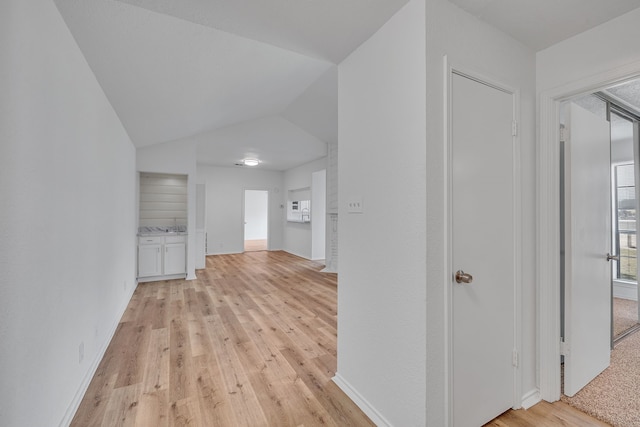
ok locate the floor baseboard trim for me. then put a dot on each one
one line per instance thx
(84, 385)
(531, 398)
(362, 403)
(297, 254)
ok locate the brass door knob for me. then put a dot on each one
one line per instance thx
(462, 277)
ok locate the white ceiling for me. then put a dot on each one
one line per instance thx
(211, 71)
(324, 29)
(542, 23)
(259, 77)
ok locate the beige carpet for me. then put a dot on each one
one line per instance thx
(625, 315)
(614, 395)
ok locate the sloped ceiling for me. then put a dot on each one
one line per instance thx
(542, 23)
(260, 76)
(210, 70)
(324, 29)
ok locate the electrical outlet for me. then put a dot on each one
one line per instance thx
(81, 352)
(355, 205)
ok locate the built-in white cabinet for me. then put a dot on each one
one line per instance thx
(149, 259)
(161, 257)
(174, 255)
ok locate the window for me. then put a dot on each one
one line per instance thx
(625, 221)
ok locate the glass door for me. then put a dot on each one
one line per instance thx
(624, 152)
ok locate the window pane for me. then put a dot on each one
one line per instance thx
(626, 222)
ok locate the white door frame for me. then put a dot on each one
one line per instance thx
(548, 220)
(468, 72)
(244, 192)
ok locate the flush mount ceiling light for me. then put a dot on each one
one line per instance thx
(250, 162)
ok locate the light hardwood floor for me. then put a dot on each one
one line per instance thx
(251, 342)
(546, 414)
(255, 245)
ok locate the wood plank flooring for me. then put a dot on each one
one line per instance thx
(546, 414)
(255, 245)
(251, 342)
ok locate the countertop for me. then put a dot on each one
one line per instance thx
(180, 230)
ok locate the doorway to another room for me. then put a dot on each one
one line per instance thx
(256, 220)
(599, 270)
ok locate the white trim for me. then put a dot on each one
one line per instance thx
(449, 69)
(531, 398)
(298, 255)
(448, 252)
(548, 220)
(84, 385)
(360, 401)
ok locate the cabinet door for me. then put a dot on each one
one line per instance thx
(149, 260)
(174, 258)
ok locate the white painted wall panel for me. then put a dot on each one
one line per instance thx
(224, 198)
(67, 217)
(606, 47)
(319, 210)
(381, 289)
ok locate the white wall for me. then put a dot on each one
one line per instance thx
(475, 45)
(609, 46)
(177, 157)
(319, 208)
(256, 208)
(67, 217)
(297, 238)
(224, 198)
(381, 291)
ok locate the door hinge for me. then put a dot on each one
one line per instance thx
(514, 128)
(564, 348)
(514, 358)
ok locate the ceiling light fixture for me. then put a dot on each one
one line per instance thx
(251, 162)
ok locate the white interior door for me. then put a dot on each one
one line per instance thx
(587, 241)
(483, 245)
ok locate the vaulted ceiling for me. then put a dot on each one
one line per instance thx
(258, 78)
(242, 78)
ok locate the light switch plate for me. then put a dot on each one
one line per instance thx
(354, 205)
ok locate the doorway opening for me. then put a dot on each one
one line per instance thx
(610, 310)
(549, 233)
(256, 220)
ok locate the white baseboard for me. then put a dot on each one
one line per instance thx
(84, 385)
(625, 290)
(531, 398)
(362, 403)
(298, 255)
